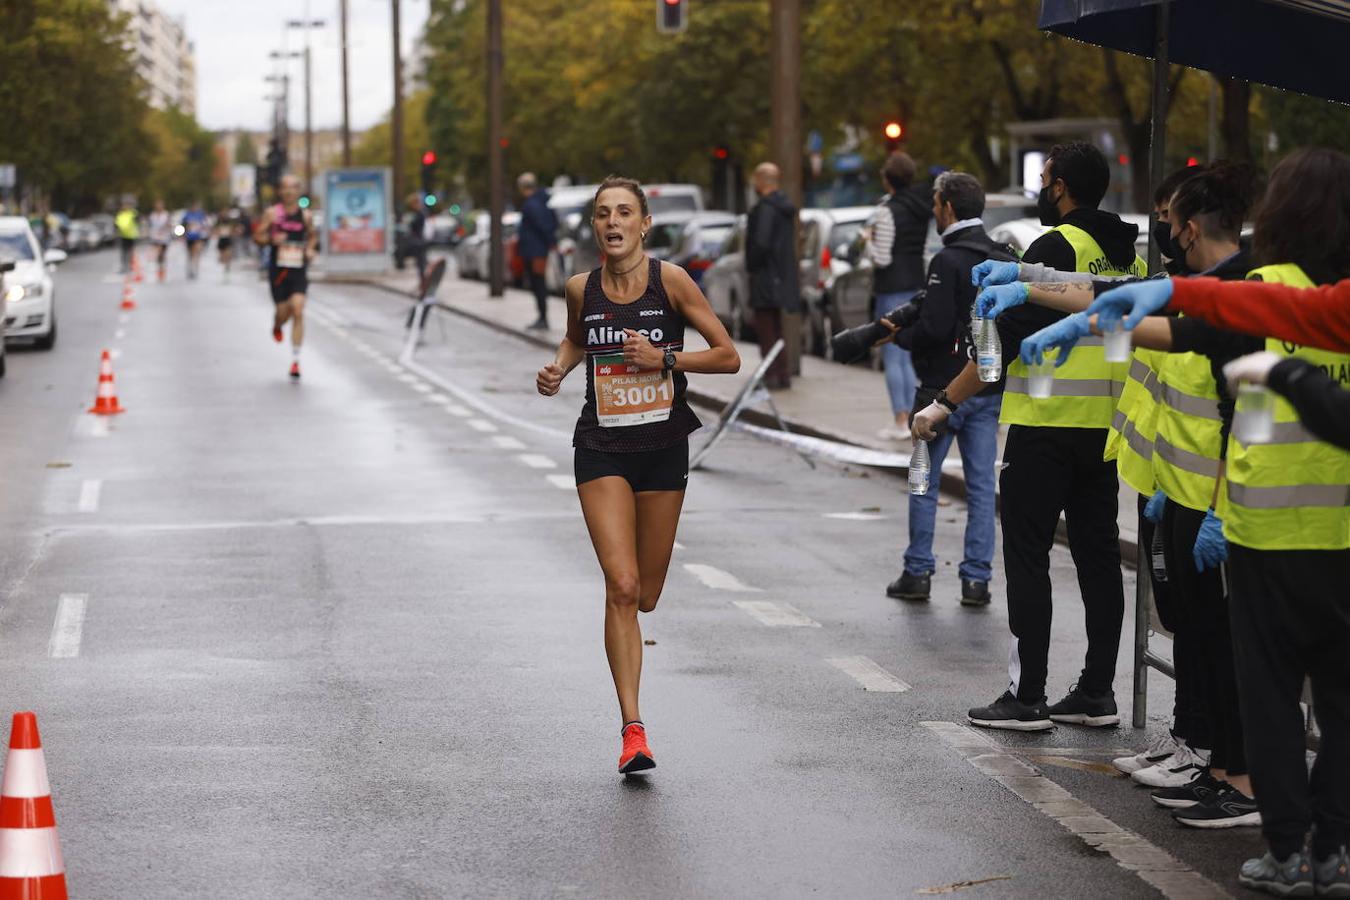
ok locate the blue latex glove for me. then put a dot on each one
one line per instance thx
(993, 302)
(1132, 301)
(1063, 334)
(1153, 509)
(994, 271)
(1210, 546)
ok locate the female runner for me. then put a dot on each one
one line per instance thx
(626, 321)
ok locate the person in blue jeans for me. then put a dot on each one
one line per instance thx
(939, 340)
(899, 228)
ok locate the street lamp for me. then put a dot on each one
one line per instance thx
(307, 25)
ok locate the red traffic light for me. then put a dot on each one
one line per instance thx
(720, 153)
(429, 158)
(893, 131)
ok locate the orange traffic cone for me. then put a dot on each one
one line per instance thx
(31, 867)
(105, 404)
(128, 300)
(136, 267)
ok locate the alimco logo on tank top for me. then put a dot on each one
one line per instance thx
(605, 331)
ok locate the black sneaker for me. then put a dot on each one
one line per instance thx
(1201, 790)
(974, 593)
(1011, 714)
(537, 325)
(1291, 878)
(1230, 808)
(1081, 708)
(910, 587)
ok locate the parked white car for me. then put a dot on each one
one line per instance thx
(30, 302)
(1022, 232)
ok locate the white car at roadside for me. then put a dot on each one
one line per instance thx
(30, 302)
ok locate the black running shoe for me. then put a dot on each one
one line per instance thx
(974, 593)
(1081, 708)
(1230, 808)
(1201, 790)
(1011, 714)
(910, 587)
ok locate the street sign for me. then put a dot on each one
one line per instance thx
(8, 175)
(243, 183)
(356, 227)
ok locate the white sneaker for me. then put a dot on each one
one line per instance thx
(1181, 768)
(894, 433)
(1163, 746)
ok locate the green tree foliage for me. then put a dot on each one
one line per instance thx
(70, 101)
(375, 147)
(182, 168)
(245, 151)
(1301, 121)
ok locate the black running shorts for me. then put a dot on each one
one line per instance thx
(666, 469)
(287, 282)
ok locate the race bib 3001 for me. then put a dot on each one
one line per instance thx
(627, 395)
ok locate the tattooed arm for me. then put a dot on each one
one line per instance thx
(1062, 296)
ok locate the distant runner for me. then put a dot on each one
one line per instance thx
(289, 231)
(226, 224)
(161, 233)
(626, 321)
(196, 231)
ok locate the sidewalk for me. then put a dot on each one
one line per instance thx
(841, 403)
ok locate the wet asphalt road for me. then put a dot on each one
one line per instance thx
(342, 639)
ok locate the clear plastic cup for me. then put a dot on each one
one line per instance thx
(1254, 414)
(1117, 344)
(1041, 379)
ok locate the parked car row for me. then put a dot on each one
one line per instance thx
(27, 289)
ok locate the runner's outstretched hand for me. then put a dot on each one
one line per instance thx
(549, 379)
(638, 351)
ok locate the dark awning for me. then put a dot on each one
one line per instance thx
(1298, 45)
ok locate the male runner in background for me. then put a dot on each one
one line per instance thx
(289, 231)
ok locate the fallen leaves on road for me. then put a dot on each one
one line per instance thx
(59, 465)
(962, 885)
(649, 642)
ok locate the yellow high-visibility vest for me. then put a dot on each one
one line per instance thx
(126, 223)
(1134, 423)
(1086, 387)
(1294, 492)
(1186, 445)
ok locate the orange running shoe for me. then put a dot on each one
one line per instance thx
(295, 371)
(276, 333)
(637, 756)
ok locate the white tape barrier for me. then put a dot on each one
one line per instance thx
(836, 450)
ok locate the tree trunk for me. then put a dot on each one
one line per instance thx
(1237, 143)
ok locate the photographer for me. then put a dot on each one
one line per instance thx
(939, 343)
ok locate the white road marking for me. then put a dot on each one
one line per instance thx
(408, 378)
(115, 353)
(565, 482)
(855, 516)
(422, 387)
(481, 425)
(119, 334)
(679, 546)
(98, 426)
(439, 398)
(89, 495)
(124, 318)
(777, 614)
(718, 580)
(867, 673)
(455, 409)
(69, 626)
(1154, 865)
(506, 442)
(537, 461)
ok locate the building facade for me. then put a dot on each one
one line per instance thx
(163, 53)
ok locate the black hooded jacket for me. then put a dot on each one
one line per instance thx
(1114, 235)
(771, 253)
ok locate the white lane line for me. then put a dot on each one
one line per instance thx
(115, 353)
(439, 398)
(422, 387)
(537, 461)
(124, 318)
(565, 482)
(506, 442)
(89, 495)
(455, 409)
(718, 580)
(1130, 851)
(481, 425)
(69, 626)
(119, 334)
(867, 673)
(777, 615)
(98, 426)
(855, 516)
(408, 378)
(679, 546)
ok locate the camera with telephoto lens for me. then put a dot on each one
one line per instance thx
(852, 344)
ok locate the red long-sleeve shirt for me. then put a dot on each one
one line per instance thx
(1317, 317)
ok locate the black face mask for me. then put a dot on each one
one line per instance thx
(1162, 236)
(1045, 208)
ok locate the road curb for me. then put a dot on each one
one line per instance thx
(953, 483)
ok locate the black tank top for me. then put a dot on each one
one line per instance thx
(292, 225)
(602, 323)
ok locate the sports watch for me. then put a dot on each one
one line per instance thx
(669, 361)
(945, 402)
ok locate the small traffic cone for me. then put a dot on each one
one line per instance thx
(128, 299)
(31, 867)
(136, 267)
(105, 404)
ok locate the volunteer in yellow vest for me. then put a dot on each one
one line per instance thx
(1053, 461)
(128, 224)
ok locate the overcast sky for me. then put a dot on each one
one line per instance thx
(233, 38)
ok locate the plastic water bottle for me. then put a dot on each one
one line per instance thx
(988, 351)
(919, 467)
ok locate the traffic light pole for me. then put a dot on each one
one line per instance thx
(785, 140)
(397, 118)
(346, 115)
(309, 127)
(496, 192)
